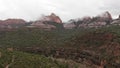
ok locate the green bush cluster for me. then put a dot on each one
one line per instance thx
(25, 60)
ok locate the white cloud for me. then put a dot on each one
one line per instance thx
(66, 9)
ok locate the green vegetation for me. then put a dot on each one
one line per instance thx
(104, 41)
(25, 60)
(37, 37)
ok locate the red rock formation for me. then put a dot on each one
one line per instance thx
(14, 21)
(11, 23)
(46, 22)
(53, 18)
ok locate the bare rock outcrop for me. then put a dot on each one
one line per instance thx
(12, 23)
(86, 22)
(15, 21)
(48, 22)
(53, 18)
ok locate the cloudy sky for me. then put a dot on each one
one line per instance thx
(66, 9)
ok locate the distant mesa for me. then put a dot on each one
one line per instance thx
(15, 21)
(12, 23)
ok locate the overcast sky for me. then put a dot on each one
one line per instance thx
(66, 9)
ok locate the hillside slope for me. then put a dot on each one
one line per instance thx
(94, 47)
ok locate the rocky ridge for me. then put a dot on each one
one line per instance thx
(53, 21)
(12, 23)
(85, 22)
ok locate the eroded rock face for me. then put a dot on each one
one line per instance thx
(53, 18)
(48, 22)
